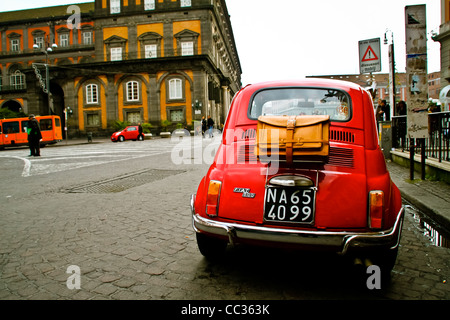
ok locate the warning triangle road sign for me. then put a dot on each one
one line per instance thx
(369, 55)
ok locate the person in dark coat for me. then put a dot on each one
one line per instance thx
(141, 131)
(203, 126)
(34, 136)
(210, 124)
(383, 111)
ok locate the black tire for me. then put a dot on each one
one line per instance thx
(387, 260)
(121, 139)
(210, 247)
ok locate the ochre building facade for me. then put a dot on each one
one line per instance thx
(129, 60)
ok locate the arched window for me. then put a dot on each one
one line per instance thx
(17, 80)
(175, 89)
(132, 88)
(91, 94)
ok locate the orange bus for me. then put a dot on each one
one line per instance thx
(13, 132)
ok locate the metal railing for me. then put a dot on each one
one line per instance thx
(437, 145)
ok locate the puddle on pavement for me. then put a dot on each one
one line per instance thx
(431, 230)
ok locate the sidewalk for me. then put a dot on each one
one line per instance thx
(430, 197)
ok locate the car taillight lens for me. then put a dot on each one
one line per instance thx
(376, 208)
(212, 198)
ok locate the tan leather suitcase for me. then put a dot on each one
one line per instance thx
(302, 138)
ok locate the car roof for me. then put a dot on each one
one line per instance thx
(307, 82)
(360, 98)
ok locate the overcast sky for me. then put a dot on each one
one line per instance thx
(291, 39)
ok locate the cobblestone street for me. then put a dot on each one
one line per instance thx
(139, 243)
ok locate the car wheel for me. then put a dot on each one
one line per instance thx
(210, 247)
(121, 139)
(386, 261)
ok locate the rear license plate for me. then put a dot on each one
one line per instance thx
(290, 205)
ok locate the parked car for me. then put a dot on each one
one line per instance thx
(129, 133)
(300, 165)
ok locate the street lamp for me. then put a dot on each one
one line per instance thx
(197, 106)
(46, 86)
(67, 112)
(391, 71)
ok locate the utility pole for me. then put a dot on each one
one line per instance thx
(416, 75)
(392, 88)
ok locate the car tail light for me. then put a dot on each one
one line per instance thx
(376, 208)
(212, 198)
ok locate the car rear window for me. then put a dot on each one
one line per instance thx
(301, 101)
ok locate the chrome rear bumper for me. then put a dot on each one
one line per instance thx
(342, 241)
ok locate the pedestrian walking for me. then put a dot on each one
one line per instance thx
(210, 124)
(141, 130)
(34, 136)
(383, 111)
(203, 126)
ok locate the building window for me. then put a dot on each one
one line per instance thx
(187, 41)
(132, 91)
(87, 34)
(133, 117)
(175, 89)
(176, 115)
(150, 45)
(63, 37)
(149, 4)
(92, 120)
(39, 41)
(87, 37)
(115, 47)
(115, 6)
(64, 40)
(17, 80)
(116, 54)
(185, 3)
(15, 45)
(187, 48)
(91, 94)
(151, 51)
(14, 41)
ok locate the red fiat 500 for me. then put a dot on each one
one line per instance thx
(300, 165)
